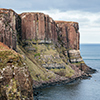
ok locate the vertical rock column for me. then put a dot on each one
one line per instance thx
(38, 26)
(8, 32)
(69, 35)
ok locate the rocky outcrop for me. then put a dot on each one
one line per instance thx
(9, 21)
(38, 26)
(69, 34)
(69, 38)
(15, 80)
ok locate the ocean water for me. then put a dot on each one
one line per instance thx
(87, 89)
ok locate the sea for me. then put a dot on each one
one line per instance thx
(86, 89)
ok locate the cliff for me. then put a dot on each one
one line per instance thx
(15, 80)
(69, 34)
(8, 27)
(38, 26)
(69, 38)
(49, 48)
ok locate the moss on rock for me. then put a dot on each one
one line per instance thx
(15, 80)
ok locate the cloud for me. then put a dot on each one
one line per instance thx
(62, 5)
(85, 12)
(89, 26)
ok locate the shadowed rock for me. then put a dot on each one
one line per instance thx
(9, 21)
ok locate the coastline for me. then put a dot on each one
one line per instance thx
(40, 85)
(48, 50)
(37, 90)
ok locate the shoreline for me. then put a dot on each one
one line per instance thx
(37, 90)
(63, 80)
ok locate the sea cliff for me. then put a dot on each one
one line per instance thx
(47, 50)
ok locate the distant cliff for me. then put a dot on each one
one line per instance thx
(49, 48)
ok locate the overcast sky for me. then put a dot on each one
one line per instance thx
(85, 12)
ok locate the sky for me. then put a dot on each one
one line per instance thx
(85, 12)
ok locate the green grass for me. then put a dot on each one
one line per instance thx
(37, 72)
(45, 54)
(82, 62)
(10, 57)
(37, 54)
(67, 72)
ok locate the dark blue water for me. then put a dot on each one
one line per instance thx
(88, 89)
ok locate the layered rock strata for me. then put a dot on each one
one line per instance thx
(38, 28)
(69, 36)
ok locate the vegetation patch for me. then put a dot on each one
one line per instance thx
(67, 72)
(37, 72)
(79, 63)
(37, 54)
(45, 54)
(9, 57)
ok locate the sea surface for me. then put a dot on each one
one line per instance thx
(87, 89)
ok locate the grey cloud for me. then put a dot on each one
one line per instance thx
(62, 5)
(97, 21)
(81, 20)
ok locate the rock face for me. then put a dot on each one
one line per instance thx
(8, 27)
(74, 56)
(69, 36)
(38, 26)
(15, 80)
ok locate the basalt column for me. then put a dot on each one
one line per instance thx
(69, 35)
(38, 26)
(8, 27)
